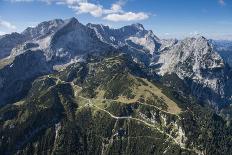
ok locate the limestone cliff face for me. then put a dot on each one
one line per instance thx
(8, 42)
(195, 60)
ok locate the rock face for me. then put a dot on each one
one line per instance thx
(16, 43)
(196, 53)
(43, 29)
(133, 39)
(195, 60)
(8, 42)
(133, 36)
(74, 39)
(61, 40)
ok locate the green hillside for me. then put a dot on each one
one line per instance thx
(109, 105)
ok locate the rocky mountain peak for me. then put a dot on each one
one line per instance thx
(138, 26)
(195, 59)
(135, 37)
(201, 38)
(197, 53)
(197, 42)
(132, 29)
(43, 29)
(98, 26)
(9, 41)
(72, 21)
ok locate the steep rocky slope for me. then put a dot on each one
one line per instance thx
(8, 42)
(43, 29)
(135, 36)
(18, 40)
(61, 40)
(195, 61)
(74, 39)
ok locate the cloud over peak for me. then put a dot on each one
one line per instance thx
(115, 13)
(85, 7)
(128, 16)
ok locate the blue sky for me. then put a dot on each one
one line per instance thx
(167, 18)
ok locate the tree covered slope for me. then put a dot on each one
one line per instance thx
(109, 105)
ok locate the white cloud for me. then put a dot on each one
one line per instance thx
(116, 7)
(222, 2)
(7, 25)
(97, 10)
(128, 16)
(114, 13)
(93, 9)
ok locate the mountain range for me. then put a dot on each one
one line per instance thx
(69, 88)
